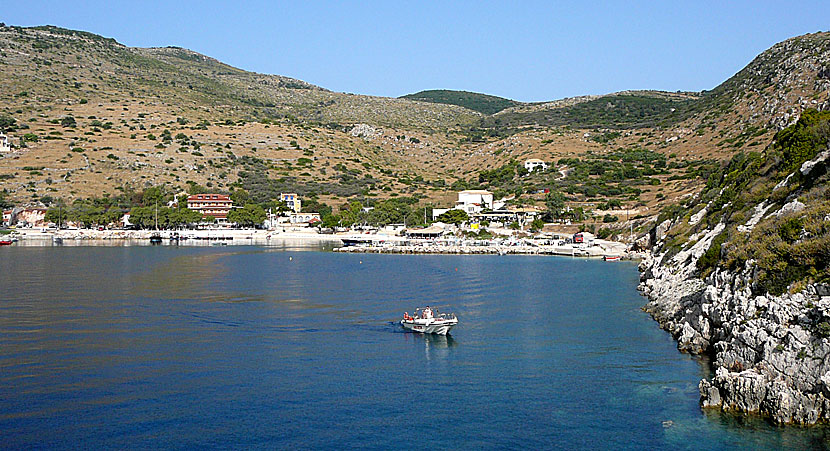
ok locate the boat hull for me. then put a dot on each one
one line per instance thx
(436, 327)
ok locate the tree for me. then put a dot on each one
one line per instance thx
(453, 217)
(56, 215)
(537, 225)
(153, 196)
(4, 203)
(7, 123)
(555, 202)
(239, 197)
(248, 216)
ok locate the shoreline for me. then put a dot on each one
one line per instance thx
(348, 242)
(768, 355)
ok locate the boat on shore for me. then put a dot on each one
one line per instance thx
(5, 242)
(612, 258)
(427, 321)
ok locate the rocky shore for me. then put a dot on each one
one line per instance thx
(769, 353)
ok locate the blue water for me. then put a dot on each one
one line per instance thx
(253, 347)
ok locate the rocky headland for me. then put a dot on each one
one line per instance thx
(740, 273)
(770, 353)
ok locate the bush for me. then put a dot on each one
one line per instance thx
(68, 121)
(709, 260)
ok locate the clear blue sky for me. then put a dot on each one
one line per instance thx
(524, 50)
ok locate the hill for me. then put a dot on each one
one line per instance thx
(50, 63)
(483, 103)
(625, 110)
(90, 117)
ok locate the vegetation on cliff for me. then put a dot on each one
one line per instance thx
(775, 207)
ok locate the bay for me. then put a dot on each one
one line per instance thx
(292, 347)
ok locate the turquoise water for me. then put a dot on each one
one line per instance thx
(259, 347)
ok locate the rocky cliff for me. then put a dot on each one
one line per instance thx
(740, 272)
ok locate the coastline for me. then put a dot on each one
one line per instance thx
(769, 353)
(357, 243)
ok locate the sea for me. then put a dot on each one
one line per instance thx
(292, 346)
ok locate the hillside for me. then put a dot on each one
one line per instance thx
(483, 103)
(50, 64)
(91, 117)
(627, 110)
(742, 272)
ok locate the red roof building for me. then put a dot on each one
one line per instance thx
(215, 205)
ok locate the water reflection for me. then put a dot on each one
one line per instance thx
(437, 346)
(279, 244)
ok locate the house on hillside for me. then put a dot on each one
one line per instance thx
(7, 217)
(214, 205)
(534, 163)
(474, 201)
(292, 201)
(5, 145)
(469, 201)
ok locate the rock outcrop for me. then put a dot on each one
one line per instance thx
(770, 353)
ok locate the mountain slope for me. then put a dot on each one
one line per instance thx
(54, 63)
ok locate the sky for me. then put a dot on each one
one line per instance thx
(523, 50)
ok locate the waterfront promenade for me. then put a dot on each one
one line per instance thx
(378, 243)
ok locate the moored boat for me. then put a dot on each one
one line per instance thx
(427, 321)
(5, 242)
(612, 258)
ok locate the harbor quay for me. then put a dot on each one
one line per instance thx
(342, 242)
(599, 248)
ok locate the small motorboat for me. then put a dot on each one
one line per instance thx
(612, 258)
(427, 321)
(5, 242)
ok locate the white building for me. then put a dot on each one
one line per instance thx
(470, 201)
(5, 145)
(474, 201)
(299, 219)
(292, 201)
(534, 163)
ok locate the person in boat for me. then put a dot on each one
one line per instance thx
(427, 313)
(406, 316)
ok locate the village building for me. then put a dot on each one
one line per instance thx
(428, 232)
(474, 201)
(292, 201)
(7, 217)
(5, 145)
(304, 218)
(534, 163)
(213, 205)
(469, 201)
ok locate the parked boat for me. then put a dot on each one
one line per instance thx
(5, 242)
(155, 239)
(612, 258)
(427, 321)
